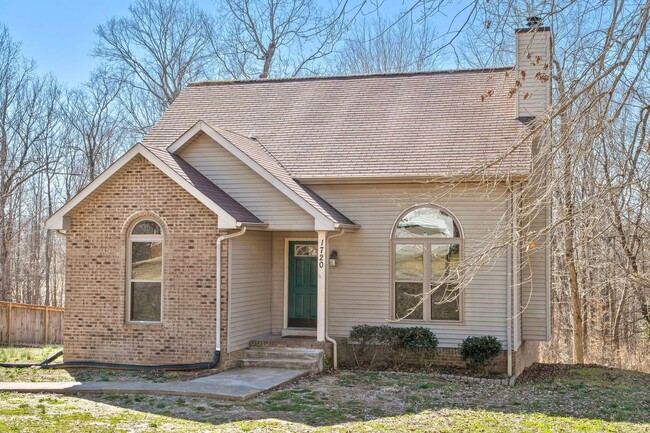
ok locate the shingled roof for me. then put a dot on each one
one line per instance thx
(366, 126)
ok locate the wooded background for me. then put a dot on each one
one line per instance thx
(54, 139)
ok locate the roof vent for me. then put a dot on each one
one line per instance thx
(533, 21)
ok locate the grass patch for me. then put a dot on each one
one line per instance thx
(27, 355)
(568, 400)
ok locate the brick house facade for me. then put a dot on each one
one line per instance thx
(96, 277)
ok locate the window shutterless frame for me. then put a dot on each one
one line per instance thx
(426, 243)
(143, 238)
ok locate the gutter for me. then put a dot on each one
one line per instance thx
(220, 239)
(350, 227)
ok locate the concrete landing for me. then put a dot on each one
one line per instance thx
(237, 384)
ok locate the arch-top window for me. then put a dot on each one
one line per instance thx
(426, 243)
(145, 272)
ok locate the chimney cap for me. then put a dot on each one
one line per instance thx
(533, 21)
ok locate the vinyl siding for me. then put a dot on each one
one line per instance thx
(360, 285)
(533, 97)
(250, 288)
(246, 186)
(535, 262)
(535, 297)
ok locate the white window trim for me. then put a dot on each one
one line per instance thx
(129, 270)
(426, 277)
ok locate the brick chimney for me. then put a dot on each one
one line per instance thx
(533, 68)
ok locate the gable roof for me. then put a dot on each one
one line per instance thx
(256, 157)
(231, 213)
(368, 126)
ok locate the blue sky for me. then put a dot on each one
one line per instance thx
(59, 34)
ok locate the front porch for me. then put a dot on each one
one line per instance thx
(277, 290)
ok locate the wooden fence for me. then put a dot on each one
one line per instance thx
(30, 325)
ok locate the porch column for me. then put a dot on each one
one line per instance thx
(322, 274)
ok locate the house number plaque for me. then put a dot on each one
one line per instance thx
(321, 254)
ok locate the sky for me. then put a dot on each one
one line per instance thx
(60, 34)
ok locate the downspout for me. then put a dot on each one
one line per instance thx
(509, 280)
(335, 360)
(220, 239)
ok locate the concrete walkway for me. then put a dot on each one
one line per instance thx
(237, 384)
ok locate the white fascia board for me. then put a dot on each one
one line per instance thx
(59, 221)
(321, 221)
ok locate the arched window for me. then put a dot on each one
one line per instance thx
(145, 259)
(426, 243)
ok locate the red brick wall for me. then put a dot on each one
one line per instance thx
(95, 310)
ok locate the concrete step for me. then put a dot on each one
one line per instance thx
(299, 342)
(314, 366)
(283, 353)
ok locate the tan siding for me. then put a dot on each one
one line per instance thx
(535, 275)
(246, 186)
(534, 95)
(359, 286)
(250, 288)
(534, 293)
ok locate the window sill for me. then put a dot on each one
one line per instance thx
(151, 325)
(427, 322)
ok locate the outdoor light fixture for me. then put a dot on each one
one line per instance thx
(334, 258)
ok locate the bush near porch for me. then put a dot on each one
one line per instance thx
(416, 348)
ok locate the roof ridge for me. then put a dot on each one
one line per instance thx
(346, 76)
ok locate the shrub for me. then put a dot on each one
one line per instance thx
(415, 337)
(478, 352)
(401, 341)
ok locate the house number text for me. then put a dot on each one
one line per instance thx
(321, 254)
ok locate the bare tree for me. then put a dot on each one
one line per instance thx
(27, 117)
(95, 123)
(599, 83)
(263, 38)
(386, 45)
(152, 54)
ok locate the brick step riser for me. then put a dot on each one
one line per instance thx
(281, 354)
(297, 345)
(292, 364)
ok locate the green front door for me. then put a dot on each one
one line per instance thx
(303, 281)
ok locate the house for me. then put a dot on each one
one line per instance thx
(305, 206)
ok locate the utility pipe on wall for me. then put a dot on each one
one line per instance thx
(327, 297)
(220, 239)
(510, 274)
